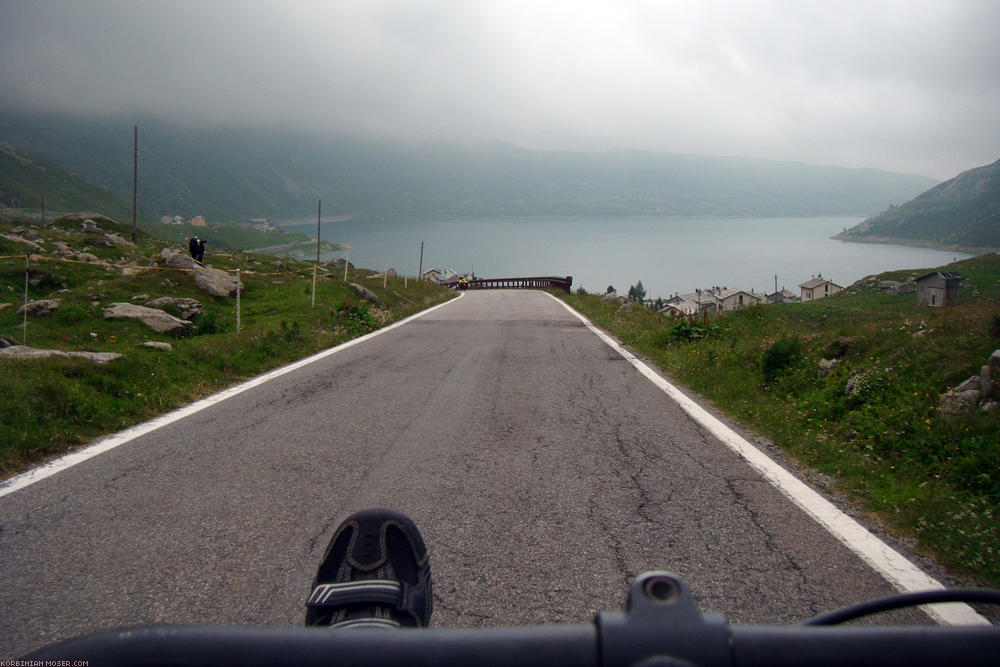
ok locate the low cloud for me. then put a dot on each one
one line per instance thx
(901, 85)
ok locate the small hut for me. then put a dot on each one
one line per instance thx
(938, 289)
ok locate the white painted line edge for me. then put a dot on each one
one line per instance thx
(108, 443)
(893, 566)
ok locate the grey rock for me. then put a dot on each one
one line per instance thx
(895, 287)
(994, 359)
(90, 227)
(974, 383)
(22, 352)
(337, 263)
(825, 366)
(954, 402)
(157, 345)
(182, 307)
(62, 249)
(118, 239)
(39, 308)
(365, 294)
(852, 382)
(985, 381)
(87, 257)
(214, 281)
(217, 282)
(179, 259)
(154, 318)
(18, 239)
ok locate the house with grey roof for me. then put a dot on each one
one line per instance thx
(818, 288)
(938, 289)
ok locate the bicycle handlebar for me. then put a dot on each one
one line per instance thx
(660, 626)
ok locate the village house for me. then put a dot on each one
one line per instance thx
(704, 302)
(261, 224)
(818, 288)
(734, 299)
(938, 289)
(446, 277)
(699, 302)
(784, 296)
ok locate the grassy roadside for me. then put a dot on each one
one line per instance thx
(53, 405)
(925, 475)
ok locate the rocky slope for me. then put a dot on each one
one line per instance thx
(963, 213)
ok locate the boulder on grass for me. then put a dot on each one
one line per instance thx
(365, 294)
(214, 281)
(39, 308)
(179, 259)
(182, 307)
(217, 283)
(22, 352)
(154, 318)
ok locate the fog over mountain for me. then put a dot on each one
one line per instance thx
(899, 85)
(234, 173)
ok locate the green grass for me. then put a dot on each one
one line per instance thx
(233, 236)
(928, 476)
(53, 405)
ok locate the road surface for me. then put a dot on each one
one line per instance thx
(544, 471)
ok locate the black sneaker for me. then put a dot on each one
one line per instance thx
(375, 573)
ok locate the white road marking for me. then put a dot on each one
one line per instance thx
(885, 560)
(108, 443)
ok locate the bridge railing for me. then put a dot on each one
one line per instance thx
(536, 282)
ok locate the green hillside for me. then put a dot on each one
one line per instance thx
(24, 181)
(236, 173)
(963, 213)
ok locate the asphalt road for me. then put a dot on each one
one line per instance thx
(544, 471)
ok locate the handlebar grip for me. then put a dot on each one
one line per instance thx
(884, 646)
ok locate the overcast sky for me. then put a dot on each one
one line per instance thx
(907, 85)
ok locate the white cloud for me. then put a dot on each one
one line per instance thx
(903, 85)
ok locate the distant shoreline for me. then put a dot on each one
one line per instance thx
(915, 243)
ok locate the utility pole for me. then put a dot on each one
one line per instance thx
(420, 271)
(319, 214)
(43, 210)
(135, 173)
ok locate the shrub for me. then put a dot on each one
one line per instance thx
(779, 357)
(209, 323)
(355, 318)
(687, 330)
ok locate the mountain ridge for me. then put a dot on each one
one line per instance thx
(227, 173)
(962, 213)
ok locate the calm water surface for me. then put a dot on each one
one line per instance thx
(667, 255)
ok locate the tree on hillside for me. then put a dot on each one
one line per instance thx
(611, 288)
(637, 292)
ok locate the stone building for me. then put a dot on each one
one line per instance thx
(938, 289)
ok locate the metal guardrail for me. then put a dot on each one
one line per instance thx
(537, 282)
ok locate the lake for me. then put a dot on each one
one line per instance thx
(668, 255)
